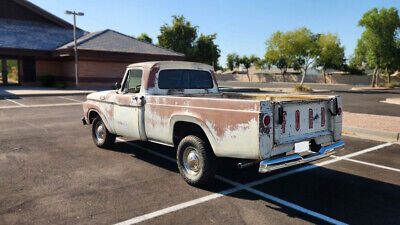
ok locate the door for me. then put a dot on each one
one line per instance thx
(29, 69)
(129, 104)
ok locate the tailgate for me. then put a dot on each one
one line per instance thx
(299, 120)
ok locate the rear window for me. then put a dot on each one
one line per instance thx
(184, 79)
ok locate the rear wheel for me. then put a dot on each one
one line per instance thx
(196, 161)
(101, 136)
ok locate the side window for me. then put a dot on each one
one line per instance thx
(133, 81)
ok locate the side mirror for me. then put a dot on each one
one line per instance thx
(117, 86)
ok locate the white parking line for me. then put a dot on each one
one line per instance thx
(247, 187)
(15, 102)
(371, 164)
(281, 201)
(40, 105)
(179, 206)
(71, 99)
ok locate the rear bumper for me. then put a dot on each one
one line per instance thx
(294, 159)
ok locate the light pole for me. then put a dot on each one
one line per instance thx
(75, 48)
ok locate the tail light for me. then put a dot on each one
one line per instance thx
(297, 119)
(339, 111)
(267, 120)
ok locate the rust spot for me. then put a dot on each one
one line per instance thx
(151, 78)
(205, 110)
(213, 76)
(123, 99)
(175, 91)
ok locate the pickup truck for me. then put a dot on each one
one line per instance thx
(178, 104)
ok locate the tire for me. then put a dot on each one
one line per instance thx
(196, 161)
(100, 134)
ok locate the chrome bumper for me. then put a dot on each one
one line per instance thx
(294, 159)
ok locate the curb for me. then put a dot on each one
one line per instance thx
(11, 96)
(377, 135)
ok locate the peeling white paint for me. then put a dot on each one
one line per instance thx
(241, 142)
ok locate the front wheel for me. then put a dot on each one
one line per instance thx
(196, 161)
(101, 136)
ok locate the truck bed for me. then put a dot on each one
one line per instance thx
(260, 96)
(234, 121)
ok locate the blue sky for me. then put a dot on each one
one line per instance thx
(241, 26)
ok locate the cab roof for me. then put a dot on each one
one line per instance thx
(179, 64)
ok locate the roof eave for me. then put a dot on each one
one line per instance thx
(91, 52)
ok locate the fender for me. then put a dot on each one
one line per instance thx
(191, 119)
(103, 118)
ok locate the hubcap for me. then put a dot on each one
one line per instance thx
(100, 132)
(191, 161)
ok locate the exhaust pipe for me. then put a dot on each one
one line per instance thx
(242, 165)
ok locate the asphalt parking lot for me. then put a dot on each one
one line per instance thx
(52, 173)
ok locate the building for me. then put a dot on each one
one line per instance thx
(35, 43)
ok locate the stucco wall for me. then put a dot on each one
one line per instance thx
(45, 67)
(91, 73)
(338, 79)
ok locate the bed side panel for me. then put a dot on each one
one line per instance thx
(232, 131)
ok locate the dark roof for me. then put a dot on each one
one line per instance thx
(43, 13)
(112, 41)
(22, 34)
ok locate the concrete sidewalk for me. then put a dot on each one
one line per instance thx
(376, 127)
(24, 91)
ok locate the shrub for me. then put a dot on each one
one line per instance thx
(391, 85)
(303, 88)
(394, 84)
(47, 80)
(59, 85)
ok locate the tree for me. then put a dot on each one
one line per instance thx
(280, 52)
(330, 53)
(258, 62)
(180, 36)
(304, 48)
(232, 61)
(206, 51)
(247, 62)
(377, 46)
(145, 37)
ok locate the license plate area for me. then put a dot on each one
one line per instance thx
(303, 146)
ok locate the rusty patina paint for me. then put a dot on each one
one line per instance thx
(232, 121)
(150, 79)
(123, 100)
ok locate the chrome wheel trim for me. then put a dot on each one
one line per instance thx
(191, 161)
(100, 132)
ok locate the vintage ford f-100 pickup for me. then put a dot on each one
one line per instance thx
(179, 104)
